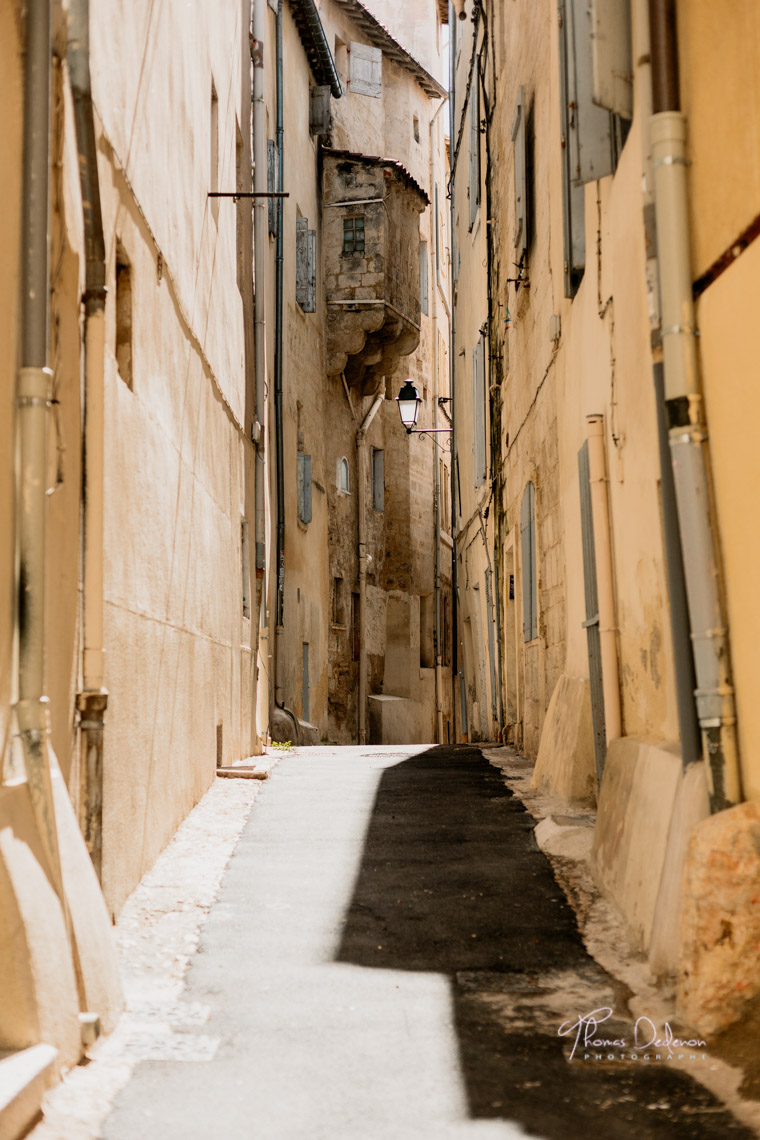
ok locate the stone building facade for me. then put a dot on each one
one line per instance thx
(360, 533)
(623, 621)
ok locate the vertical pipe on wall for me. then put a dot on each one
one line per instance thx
(260, 264)
(32, 402)
(597, 466)
(278, 409)
(457, 658)
(361, 501)
(93, 699)
(433, 293)
(716, 709)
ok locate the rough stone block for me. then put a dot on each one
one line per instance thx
(720, 920)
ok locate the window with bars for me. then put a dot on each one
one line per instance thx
(353, 234)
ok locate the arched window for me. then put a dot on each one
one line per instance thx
(343, 476)
(529, 563)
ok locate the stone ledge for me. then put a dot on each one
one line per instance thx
(24, 1078)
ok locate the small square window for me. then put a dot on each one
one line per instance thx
(353, 235)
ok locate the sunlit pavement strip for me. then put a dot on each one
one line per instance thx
(156, 935)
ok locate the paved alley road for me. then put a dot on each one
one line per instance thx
(390, 958)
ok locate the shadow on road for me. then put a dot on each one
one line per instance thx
(452, 881)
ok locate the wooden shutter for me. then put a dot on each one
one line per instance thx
(479, 411)
(591, 623)
(272, 183)
(319, 110)
(590, 129)
(573, 195)
(612, 56)
(378, 479)
(424, 277)
(366, 76)
(521, 178)
(306, 266)
(528, 559)
(474, 148)
(304, 487)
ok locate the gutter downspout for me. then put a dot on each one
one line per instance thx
(32, 404)
(716, 709)
(279, 695)
(361, 491)
(457, 669)
(93, 699)
(600, 511)
(260, 255)
(436, 461)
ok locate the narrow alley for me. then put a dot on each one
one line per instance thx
(379, 636)
(389, 958)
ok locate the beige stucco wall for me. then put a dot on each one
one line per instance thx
(601, 363)
(720, 84)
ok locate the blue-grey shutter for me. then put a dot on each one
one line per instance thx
(378, 479)
(573, 196)
(590, 129)
(521, 179)
(612, 56)
(423, 278)
(437, 231)
(591, 623)
(479, 411)
(304, 487)
(474, 147)
(311, 272)
(528, 554)
(319, 110)
(271, 183)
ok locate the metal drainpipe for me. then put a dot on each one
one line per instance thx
(361, 506)
(680, 629)
(93, 699)
(457, 670)
(32, 403)
(278, 412)
(604, 574)
(687, 430)
(260, 256)
(436, 467)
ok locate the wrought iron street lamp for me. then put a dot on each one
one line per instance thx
(409, 402)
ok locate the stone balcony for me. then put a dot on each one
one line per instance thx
(372, 266)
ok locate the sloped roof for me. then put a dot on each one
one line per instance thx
(375, 160)
(315, 45)
(379, 36)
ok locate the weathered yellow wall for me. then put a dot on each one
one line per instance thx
(720, 85)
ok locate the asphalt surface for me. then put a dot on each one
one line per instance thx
(391, 958)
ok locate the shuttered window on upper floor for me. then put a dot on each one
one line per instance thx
(474, 147)
(519, 153)
(272, 183)
(366, 70)
(306, 266)
(424, 302)
(529, 563)
(612, 56)
(304, 487)
(479, 412)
